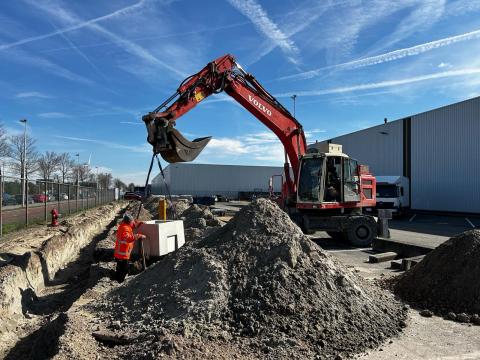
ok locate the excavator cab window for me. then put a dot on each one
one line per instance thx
(309, 182)
(333, 179)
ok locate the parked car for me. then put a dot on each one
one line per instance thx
(30, 199)
(8, 199)
(130, 195)
(51, 197)
(39, 198)
(204, 200)
(63, 196)
(221, 198)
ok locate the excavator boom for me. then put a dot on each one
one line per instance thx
(223, 74)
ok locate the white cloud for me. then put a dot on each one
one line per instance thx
(259, 17)
(387, 57)
(53, 115)
(79, 25)
(145, 148)
(22, 57)
(262, 147)
(293, 22)
(54, 9)
(443, 65)
(131, 122)
(422, 17)
(32, 94)
(384, 84)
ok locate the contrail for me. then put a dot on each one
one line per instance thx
(258, 16)
(384, 84)
(79, 52)
(74, 27)
(390, 56)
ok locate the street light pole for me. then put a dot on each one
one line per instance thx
(78, 181)
(96, 195)
(23, 159)
(294, 98)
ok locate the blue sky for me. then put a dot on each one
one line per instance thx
(84, 72)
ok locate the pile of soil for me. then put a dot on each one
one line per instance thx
(447, 280)
(175, 210)
(199, 216)
(256, 287)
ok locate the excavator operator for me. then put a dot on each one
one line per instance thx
(124, 245)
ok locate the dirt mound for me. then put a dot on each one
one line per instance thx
(447, 279)
(199, 216)
(176, 208)
(258, 285)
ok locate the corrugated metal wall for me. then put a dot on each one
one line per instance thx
(446, 158)
(158, 185)
(380, 147)
(206, 179)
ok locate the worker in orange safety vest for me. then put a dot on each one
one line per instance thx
(124, 245)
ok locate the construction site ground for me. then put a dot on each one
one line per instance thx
(424, 337)
(85, 280)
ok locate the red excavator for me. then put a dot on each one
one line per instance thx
(328, 189)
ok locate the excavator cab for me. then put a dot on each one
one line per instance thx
(328, 177)
(170, 143)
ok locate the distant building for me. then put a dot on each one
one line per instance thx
(438, 150)
(207, 179)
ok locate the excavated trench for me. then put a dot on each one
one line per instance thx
(40, 285)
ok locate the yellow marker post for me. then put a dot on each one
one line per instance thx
(162, 209)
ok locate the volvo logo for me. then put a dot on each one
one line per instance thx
(259, 105)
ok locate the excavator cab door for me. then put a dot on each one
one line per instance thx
(310, 180)
(351, 181)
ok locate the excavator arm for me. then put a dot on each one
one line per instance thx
(224, 74)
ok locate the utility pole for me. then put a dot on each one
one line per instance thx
(23, 160)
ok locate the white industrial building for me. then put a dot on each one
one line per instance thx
(438, 150)
(207, 179)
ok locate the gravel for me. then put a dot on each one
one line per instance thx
(255, 288)
(446, 281)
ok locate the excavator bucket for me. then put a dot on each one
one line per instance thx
(179, 149)
(169, 143)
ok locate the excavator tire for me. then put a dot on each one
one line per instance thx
(361, 231)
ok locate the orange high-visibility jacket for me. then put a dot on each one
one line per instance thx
(125, 240)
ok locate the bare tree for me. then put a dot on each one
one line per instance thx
(80, 172)
(131, 187)
(65, 165)
(48, 163)
(19, 160)
(16, 155)
(119, 184)
(104, 180)
(4, 145)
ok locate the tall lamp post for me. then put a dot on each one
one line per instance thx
(96, 196)
(78, 181)
(23, 160)
(294, 98)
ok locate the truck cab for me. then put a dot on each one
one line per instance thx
(393, 194)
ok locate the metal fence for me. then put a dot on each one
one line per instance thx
(17, 210)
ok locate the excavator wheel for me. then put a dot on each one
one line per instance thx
(361, 231)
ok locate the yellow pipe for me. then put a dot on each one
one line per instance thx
(162, 209)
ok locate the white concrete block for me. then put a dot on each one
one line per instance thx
(163, 237)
